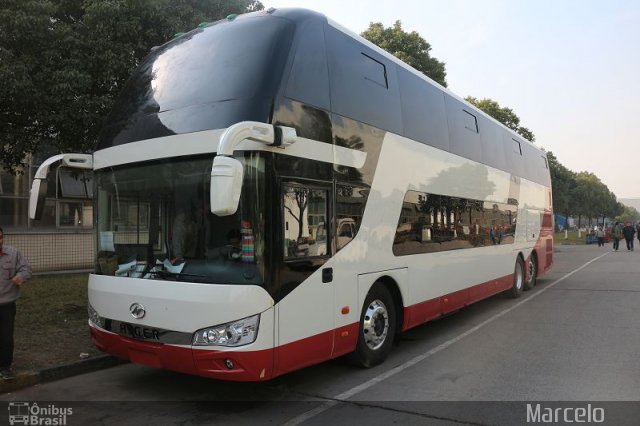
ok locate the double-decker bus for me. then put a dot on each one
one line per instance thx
(272, 191)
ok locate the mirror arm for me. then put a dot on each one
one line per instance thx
(75, 161)
(270, 135)
(227, 172)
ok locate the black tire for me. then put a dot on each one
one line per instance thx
(518, 280)
(377, 328)
(532, 273)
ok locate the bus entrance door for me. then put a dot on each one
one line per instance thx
(305, 314)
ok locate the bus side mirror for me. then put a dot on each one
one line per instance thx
(226, 185)
(39, 185)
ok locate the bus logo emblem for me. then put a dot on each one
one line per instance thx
(137, 310)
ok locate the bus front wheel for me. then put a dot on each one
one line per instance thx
(377, 327)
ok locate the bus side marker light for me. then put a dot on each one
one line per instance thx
(344, 334)
(262, 374)
(345, 310)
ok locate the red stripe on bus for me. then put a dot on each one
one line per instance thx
(431, 309)
(269, 363)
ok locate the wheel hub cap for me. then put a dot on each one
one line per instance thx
(375, 325)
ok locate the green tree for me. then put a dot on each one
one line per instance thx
(562, 185)
(62, 62)
(593, 198)
(408, 47)
(628, 214)
(503, 114)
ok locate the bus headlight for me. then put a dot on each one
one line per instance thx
(236, 333)
(94, 317)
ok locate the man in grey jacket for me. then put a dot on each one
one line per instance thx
(14, 271)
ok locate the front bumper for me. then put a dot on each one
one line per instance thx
(247, 365)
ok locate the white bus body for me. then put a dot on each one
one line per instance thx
(357, 216)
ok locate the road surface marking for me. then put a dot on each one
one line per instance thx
(344, 396)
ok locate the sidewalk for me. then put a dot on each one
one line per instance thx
(25, 379)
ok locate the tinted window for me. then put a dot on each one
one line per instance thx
(493, 153)
(465, 140)
(309, 78)
(363, 83)
(470, 121)
(305, 220)
(430, 223)
(224, 63)
(516, 147)
(534, 166)
(423, 111)
(350, 203)
(514, 152)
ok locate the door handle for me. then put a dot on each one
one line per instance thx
(327, 275)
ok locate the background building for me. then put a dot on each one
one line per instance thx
(63, 239)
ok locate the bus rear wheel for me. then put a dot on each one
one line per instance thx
(377, 327)
(532, 273)
(518, 280)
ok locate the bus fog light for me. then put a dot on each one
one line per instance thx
(236, 333)
(229, 364)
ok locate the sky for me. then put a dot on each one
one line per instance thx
(570, 69)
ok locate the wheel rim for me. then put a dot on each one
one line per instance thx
(375, 324)
(532, 271)
(519, 275)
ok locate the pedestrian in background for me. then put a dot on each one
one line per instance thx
(14, 271)
(600, 237)
(615, 234)
(629, 232)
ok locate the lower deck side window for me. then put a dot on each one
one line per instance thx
(430, 223)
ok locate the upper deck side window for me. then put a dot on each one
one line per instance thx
(309, 77)
(470, 121)
(517, 148)
(423, 110)
(364, 84)
(374, 71)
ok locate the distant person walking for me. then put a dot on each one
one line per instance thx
(629, 232)
(615, 234)
(638, 232)
(14, 271)
(600, 236)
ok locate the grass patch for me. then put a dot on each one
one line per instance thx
(51, 322)
(558, 238)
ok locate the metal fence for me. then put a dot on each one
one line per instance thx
(55, 251)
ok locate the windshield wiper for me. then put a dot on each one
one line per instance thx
(176, 275)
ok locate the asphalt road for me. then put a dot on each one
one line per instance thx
(570, 347)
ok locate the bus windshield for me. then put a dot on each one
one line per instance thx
(209, 78)
(153, 221)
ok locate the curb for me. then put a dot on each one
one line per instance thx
(29, 378)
